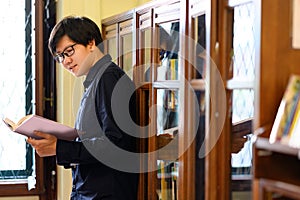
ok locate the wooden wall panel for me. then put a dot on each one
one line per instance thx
(278, 59)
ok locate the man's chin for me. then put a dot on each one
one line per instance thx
(76, 74)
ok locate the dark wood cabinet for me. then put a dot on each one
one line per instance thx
(276, 166)
(276, 170)
(182, 100)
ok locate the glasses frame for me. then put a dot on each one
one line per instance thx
(60, 57)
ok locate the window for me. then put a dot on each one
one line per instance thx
(16, 160)
(242, 85)
(25, 88)
(243, 73)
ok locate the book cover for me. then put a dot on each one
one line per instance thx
(286, 111)
(293, 138)
(30, 123)
(174, 69)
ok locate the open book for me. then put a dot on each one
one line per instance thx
(30, 123)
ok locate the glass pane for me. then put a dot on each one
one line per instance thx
(168, 47)
(112, 48)
(200, 45)
(127, 54)
(243, 99)
(243, 104)
(167, 110)
(243, 42)
(167, 180)
(167, 129)
(146, 52)
(200, 139)
(198, 72)
(13, 148)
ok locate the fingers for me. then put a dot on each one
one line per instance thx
(46, 146)
(45, 138)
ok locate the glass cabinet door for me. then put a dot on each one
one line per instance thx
(198, 75)
(167, 134)
(118, 40)
(126, 47)
(166, 92)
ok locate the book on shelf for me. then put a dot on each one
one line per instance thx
(287, 118)
(173, 69)
(293, 138)
(30, 123)
(167, 176)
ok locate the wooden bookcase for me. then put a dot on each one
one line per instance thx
(275, 61)
(276, 170)
(275, 166)
(194, 90)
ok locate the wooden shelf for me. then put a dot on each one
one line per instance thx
(281, 188)
(276, 169)
(263, 143)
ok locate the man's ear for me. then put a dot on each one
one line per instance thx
(92, 45)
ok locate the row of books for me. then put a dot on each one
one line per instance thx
(286, 127)
(167, 175)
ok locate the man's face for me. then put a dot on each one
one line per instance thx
(74, 57)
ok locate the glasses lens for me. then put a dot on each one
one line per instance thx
(69, 51)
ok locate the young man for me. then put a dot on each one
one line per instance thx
(75, 42)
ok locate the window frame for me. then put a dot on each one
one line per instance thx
(41, 13)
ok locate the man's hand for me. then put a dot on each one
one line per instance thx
(45, 146)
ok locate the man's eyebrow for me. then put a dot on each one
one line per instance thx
(56, 52)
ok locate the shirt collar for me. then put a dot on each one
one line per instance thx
(102, 63)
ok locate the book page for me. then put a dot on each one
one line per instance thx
(9, 123)
(23, 119)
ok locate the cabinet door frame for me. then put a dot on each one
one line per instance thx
(144, 22)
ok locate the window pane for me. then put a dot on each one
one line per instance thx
(243, 104)
(13, 148)
(243, 42)
(243, 70)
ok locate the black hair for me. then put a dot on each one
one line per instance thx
(81, 30)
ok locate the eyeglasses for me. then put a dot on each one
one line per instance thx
(68, 51)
